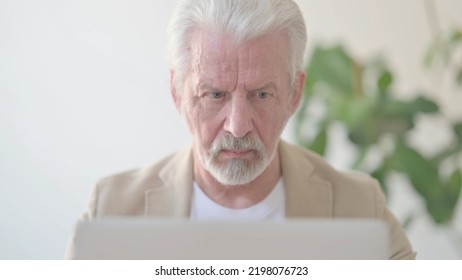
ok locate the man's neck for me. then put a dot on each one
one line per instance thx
(242, 196)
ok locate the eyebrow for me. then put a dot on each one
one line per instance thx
(267, 86)
(209, 87)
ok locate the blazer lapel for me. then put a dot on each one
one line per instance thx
(306, 195)
(172, 197)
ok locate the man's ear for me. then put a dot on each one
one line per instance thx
(297, 94)
(173, 91)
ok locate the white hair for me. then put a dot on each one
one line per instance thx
(243, 20)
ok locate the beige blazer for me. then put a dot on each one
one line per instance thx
(313, 190)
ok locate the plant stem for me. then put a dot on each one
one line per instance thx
(433, 19)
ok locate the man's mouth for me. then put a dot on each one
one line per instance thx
(236, 153)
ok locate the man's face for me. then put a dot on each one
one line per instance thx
(236, 100)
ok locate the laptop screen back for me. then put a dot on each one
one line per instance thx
(136, 238)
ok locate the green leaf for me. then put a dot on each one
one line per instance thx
(456, 37)
(398, 116)
(380, 174)
(332, 66)
(422, 173)
(360, 137)
(442, 209)
(385, 81)
(396, 125)
(421, 104)
(320, 142)
(458, 131)
(440, 212)
(394, 117)
(395, 109)
(440, 198)
(455, 183)
(357, 112)
(410, 108)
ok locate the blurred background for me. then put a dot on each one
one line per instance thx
(84, 93)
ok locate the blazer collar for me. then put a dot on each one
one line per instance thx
(306, 194)
(172, 197)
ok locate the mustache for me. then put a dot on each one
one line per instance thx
(229, 142)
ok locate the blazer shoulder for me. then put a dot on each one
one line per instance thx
(132, 180)
(124, 193)
(354, 194)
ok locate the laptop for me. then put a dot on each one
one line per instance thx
(298, 239)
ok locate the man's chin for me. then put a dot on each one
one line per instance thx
(236, 172)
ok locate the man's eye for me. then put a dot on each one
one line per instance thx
(217, 95)
(262, 94)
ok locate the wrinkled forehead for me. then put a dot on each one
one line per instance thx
(220, 52)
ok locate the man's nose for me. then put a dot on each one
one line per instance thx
(239, 119)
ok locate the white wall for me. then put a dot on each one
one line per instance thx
(84, 93)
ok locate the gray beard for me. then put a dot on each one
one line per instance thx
(236, 171)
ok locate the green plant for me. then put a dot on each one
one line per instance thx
(442, 52)
(360, 97)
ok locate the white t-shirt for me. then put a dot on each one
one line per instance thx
(272, 208)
